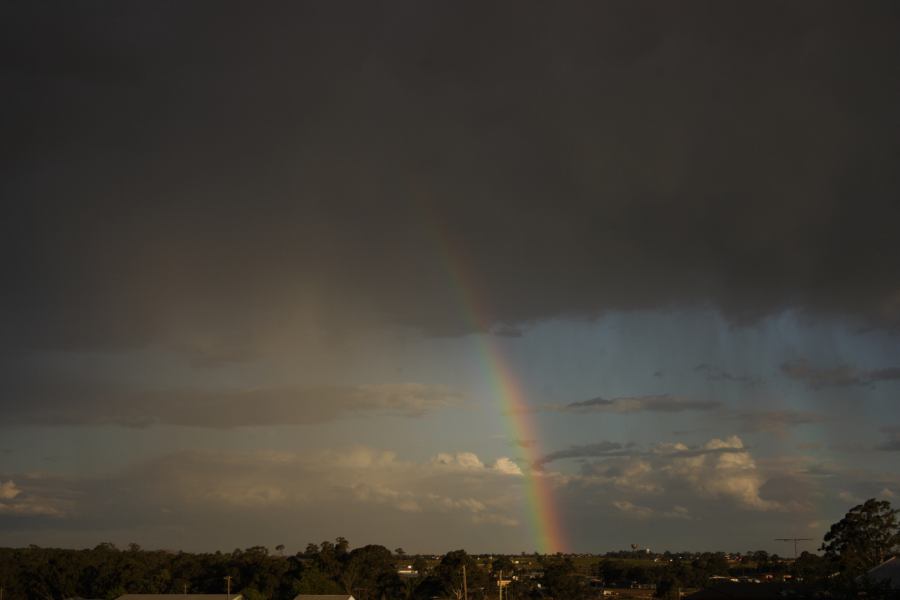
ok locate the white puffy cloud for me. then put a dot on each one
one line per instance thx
(507, 466)
(720, 469)
(9, 490)
(468, 461)
(15, 501)
(731, 475)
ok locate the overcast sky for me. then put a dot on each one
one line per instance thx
(251, 257)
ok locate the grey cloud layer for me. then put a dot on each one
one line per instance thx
(776, 421)
(751, 421)
(892, 441)
(433, 505)
(608, 449)
(604, 448)
(714, 373)
(183, 498)
(198, 170)
(840, 376)
(630, 404)
(81, 404)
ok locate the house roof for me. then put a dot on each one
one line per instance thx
(180, 597)
(889, 570)
(752, 591)
(324, 597)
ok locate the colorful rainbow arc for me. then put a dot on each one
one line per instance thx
(543, 516)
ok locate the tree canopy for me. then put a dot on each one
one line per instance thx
(864, 538)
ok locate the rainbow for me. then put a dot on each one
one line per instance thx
(520, 422)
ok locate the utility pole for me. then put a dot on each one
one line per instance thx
(184, 587)
(465, 588)
(228, 585)
(500, 584)
(795, 540)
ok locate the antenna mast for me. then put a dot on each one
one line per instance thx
(795, 540)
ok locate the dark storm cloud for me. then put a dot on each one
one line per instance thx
(201, 168)
(90, 403)
(839, 376)
(630, 404)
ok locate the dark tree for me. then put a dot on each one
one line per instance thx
(502, 563)
(863, 538)
(809, 567)
(562, 581)
(420, 565)
(447, 577)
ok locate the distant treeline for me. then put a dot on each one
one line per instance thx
(867, 535)
(369, 573)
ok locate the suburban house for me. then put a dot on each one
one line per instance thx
(180, 597)
(324, 597)
(754, 591)
(886, 574)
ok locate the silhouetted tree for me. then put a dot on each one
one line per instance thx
(864, 537)
(561, 581)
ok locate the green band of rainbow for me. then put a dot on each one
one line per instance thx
(541, 509)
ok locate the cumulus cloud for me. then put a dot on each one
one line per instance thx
(506, 465)
(839, 376)
(731, 474)
(719, 469)
(82, 403)
(465, 461)
(9, 490)
(633, 404)
(16, 502)
(469, 462)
